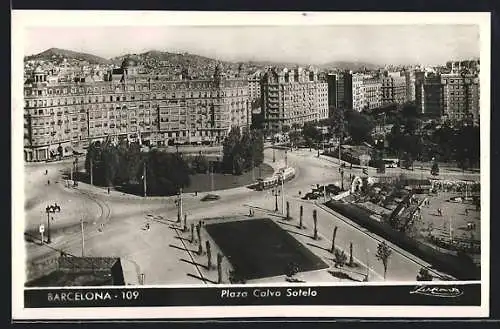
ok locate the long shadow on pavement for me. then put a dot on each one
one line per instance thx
(183, 239)
(289, 224)
(194, 263)
(319, 247)
(342, 275)
(183, 249)
(306, 235)
(201, 279)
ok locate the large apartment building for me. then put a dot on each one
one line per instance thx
(429, 93)
(149, 109)
(254, 92)
(452, 96)
(394, 88)
(410, 85)
(460, 96)
(292, 96)
(373, 93)
(366, 92)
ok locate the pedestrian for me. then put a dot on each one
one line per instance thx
(439, 212)
(466, 212)
(48, 182)
(46, 172)
(108, 190)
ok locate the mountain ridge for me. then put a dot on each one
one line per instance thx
(187, 59)
(71, 54)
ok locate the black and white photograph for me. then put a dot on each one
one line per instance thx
(252, 158)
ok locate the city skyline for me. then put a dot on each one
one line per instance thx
(374, 44)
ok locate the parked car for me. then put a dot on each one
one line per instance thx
(210, 197)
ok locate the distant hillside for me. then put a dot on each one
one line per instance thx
(60, 54)
(346, 65)
(152, 57)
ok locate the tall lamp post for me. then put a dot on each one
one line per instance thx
(274, 152)
(276, 193)
(367, 264)
(50, 210)
(282, 178)
(341, 178)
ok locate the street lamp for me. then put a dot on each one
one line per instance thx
(274, 152)
(50, 210)
(367, 264)
(341, 178)
(276, 193)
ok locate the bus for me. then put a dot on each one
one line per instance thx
(275, 180)
(391, 163)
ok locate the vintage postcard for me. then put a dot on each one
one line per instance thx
(177, 164)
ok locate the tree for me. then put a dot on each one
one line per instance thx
(359, 126)
(406, 161)
(435, 169)
(231, 149)
(94, 158)
(383, 254)
(311, 134)
(294, 137)
(332, 250)
(424, 275)
(111, 163)
(200, 164)
(467, 146)
(242, 151)
(340, 258)
(315, 220)
(291, 270)
(166, 172)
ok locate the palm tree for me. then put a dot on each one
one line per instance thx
(424, 275)
(383, 254)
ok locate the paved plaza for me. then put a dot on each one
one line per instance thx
(164, 253)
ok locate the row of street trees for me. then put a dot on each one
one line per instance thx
(124, 165)
(411, 138)
(242, 151)
(347, 124)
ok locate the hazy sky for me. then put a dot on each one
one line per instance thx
(410, 44)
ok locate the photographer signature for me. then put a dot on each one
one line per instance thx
(442, 291)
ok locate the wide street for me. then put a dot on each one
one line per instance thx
(114, 224)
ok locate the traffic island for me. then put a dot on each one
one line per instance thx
(260, 248)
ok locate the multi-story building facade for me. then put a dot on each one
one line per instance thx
(152, 110)
(340, 90)
(331, 80)
(460, 96)
(292, 96)
(366, 92)
(358, 93)
(373, 93)
(393, 88)
(410, 85)
(343, 90)
(471, 66)
(429, 93)
(254, 86)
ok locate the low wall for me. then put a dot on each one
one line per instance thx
(76, 265)
(458, 266)
(42, 267)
